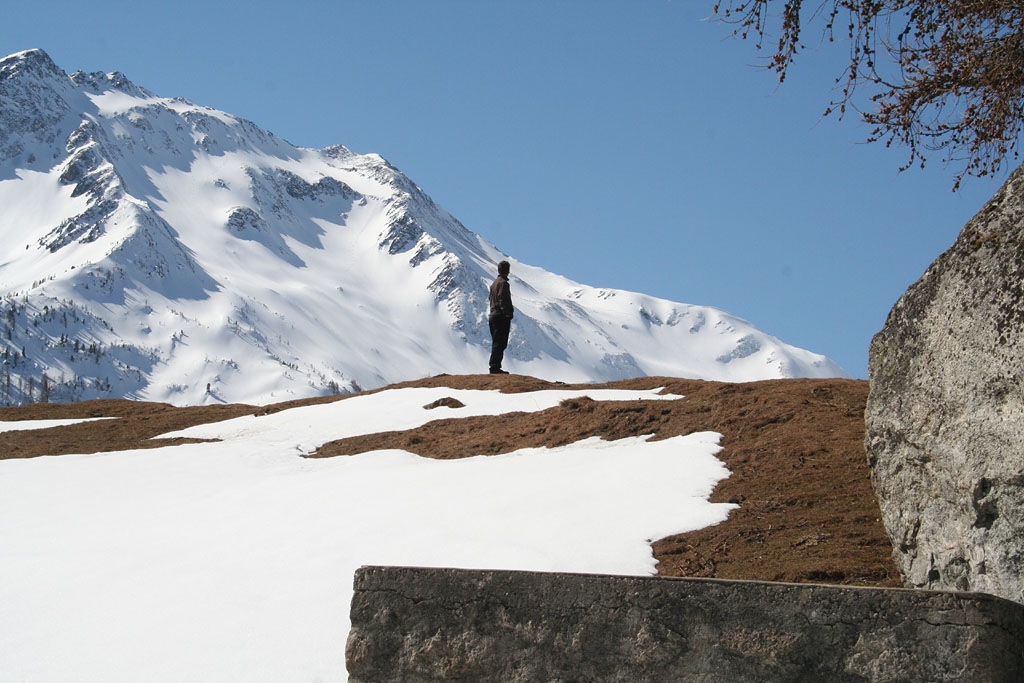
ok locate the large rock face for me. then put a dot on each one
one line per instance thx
(945, 414)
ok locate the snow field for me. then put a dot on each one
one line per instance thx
(233, 560)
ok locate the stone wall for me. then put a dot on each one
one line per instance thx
(411, 624)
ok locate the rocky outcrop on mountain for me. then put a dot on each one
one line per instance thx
(39, 111)
(945, 415)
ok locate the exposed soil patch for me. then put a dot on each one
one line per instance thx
(135, 425)
(795, 449)
(446, 402)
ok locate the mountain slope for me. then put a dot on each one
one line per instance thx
(157, 249)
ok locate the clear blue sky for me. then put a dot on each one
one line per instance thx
(621, 143)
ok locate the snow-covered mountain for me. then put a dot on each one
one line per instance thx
(154, 248)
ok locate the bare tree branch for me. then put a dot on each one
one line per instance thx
(941, 75)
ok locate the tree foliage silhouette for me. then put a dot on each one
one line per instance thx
(942, 75)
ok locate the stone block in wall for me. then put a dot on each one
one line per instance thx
(417, 624)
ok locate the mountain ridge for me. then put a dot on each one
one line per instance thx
(162, 250)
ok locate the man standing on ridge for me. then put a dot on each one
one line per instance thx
(500, 317)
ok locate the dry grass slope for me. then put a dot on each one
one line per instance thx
(795, 449)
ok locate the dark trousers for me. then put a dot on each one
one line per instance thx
(500, 327)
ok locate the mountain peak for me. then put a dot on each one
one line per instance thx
(34, 63)
(33, 91)
(98, 82)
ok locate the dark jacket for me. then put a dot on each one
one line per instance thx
(500, 299)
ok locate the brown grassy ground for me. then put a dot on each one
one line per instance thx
(795, 449)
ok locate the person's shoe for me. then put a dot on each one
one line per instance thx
(498, 371)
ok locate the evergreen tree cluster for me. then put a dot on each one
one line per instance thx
(48, 354)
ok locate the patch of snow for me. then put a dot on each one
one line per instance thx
(233, 560)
